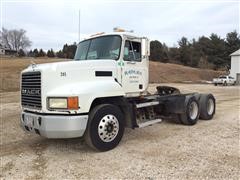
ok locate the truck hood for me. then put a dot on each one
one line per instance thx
(55, 75)
(86, 79)
(74, 66)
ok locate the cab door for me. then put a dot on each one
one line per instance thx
(134, 69)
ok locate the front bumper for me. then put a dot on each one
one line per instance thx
(54, 126)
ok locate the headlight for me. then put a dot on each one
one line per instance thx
(57, 103)
(63, 103)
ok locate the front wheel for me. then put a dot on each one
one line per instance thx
(105, 127)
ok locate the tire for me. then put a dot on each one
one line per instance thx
(191, 114)
(105, 127)
(207, 106)
(176, 119)
(215, 84)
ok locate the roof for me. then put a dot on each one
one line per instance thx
(236, 53)
(10, 50)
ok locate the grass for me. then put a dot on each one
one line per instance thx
(11, 67)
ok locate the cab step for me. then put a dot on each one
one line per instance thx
(146, 104)
(149, 123)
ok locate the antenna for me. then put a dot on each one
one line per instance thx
(79, 15)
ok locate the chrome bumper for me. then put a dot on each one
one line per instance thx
(54, 126)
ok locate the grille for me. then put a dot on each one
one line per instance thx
(31, 90)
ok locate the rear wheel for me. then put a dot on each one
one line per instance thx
(208, 106)
(105, 127)
(191, 114)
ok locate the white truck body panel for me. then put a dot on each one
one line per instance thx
(79, 78)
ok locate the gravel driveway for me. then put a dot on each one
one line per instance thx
(208, 150)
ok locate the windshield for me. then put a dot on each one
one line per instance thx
(105, 47)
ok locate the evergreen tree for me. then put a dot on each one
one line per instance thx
(50, 53)
(21, 53)
(68, 51)
(59, 54)
(155, 50)
(30, 53)
(41, 53)
(174, 55)
(35, 53)
(184, 51)
(158, 51)
(71, 51)
(232, 43)
(217, 50)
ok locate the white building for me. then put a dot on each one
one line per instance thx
(235, 65)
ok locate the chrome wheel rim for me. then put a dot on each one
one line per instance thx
(108, 128)
(193, 110)
(210, 107)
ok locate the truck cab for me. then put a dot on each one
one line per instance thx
(100, 92)
(129, 55)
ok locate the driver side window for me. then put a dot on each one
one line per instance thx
(132, 51)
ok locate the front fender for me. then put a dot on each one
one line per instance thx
(88, 91)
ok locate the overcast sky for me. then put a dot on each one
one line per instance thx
(50, 24)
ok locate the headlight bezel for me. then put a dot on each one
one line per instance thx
(71, 103)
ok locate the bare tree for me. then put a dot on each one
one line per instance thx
(14, 39)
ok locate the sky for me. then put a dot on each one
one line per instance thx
(51, 24)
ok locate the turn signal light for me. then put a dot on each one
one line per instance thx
(72, 102)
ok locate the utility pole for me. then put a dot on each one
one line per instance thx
(79, 15)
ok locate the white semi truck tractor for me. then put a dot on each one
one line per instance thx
(102, 92)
